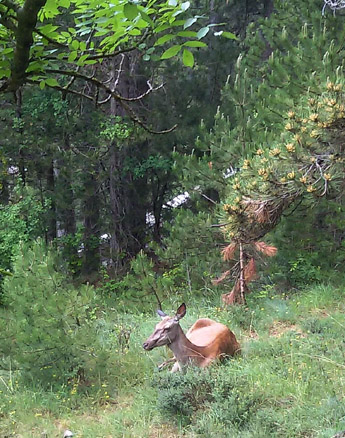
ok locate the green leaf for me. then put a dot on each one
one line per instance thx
(229, 35)
(189, 22)
(172, 51)
(82, 60)
(75, 44)
(51, 82)
(188, 58)
(34, 66)
(146, 18)
(187, 34)
(194, 44)
(164, 39)
(130, 10)
(42, 84)
(72, 56)
(203, 32)
(6, 51)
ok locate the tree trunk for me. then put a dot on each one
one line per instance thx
(91, 213)
(127, 193)
(52, 224)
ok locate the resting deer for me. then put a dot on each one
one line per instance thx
(205, 341)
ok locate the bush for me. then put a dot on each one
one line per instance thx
(181, 394)
(49, 327)
(23, 219)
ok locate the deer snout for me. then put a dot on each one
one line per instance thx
(146, 346)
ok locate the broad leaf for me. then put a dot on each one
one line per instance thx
(172, 51)
(203, 32)
(194, 44)
(188, 58)
(130, 10)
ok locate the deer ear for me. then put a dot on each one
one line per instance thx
(181, 311)
(161, 313)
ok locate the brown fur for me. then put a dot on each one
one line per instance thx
(205, 341)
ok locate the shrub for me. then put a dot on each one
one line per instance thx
(49, 325)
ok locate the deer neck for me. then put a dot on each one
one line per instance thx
(185, 351)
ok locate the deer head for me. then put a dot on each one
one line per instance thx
(166, 330)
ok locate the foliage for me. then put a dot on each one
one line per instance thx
(142, 287)
(280, 380)
(288, 382)
(22, 220)
(50, 327)
(44, 53)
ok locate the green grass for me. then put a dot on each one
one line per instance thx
(289, 382)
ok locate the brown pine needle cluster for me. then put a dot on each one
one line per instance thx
(269, 251)
(229, 251)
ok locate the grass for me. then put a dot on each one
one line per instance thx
(289, 382)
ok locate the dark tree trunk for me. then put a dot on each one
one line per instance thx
(127, 193)
(128, 212)
(65, 202)
(52, 225)
(91, 214)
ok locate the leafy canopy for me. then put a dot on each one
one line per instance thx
(45, 41)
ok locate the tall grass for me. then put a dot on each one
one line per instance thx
(289, 381)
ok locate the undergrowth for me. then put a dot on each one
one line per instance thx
(289, 381)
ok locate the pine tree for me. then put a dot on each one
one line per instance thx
(285, 143)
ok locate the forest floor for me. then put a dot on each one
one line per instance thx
(289, 381)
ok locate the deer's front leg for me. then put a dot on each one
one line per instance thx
(164, 364)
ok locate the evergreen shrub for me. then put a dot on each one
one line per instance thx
(21, 220)
(50, 329)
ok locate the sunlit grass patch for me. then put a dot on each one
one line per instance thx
(288, 382)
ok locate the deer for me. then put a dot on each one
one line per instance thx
(205, 342)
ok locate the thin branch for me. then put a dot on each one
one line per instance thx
(6, 22)
(50, 40)
(150, 90)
